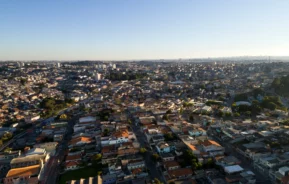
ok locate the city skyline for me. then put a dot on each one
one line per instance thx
(143, 30)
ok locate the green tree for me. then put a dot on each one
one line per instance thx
(248, 113)
(165, 117)
(105, 132)
(169, 136)
(97, 157)
(236, 114)
(169, 111)
(157, 181)
(181, 110)
(220, 114)
(7, 150)
(155, 157)
(142, 150)
(191, 118)
(228, 114)
(272, 106)
(63, 116)
(23, 81)
(129, 121)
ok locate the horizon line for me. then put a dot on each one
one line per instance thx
(200, 58)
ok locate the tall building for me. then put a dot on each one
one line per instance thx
(58, 65)
(98, 76)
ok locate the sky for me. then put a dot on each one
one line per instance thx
(142, 29)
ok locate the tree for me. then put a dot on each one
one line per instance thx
(157, 181)
(181, 110)
(165, 117)
(228, 114)
(97, 157)
(185, 104)
(142, 150)
(248, 113)
(63, 116)
(7, 150)
(272, 106)
(155, 157)
(169, 136)
(129, 121)
(23, 81)
(257, 92)
(1, 142)
(236, 114)
(191, 118)
(209, 163)
(105, 118)
(220, 114)
(169, 111)
(105, 132)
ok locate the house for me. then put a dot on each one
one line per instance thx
(118, 137)
(163, 147)
(29, 174)
(206, 109)
(167, 157)
(48, 146)
(212, 147)
(31, 119)
(227, 161)
(139, 173)
(233, 169)
(79, 141)
(181, 173)
(109, 178)
(8, 156)
(87, 119)
(114, 168)
(74, 157)
(26, 161)
(72, 165)
(171, 165)
(197, 132)
(134, 164)
(90, 180)
(280, 174)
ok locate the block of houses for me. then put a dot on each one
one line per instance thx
(181, 173)
(212, 147)
(72, 165)
(29, 174)
(134, 164)
(8, 156)
(79, 141)
(171, 165)
(164, 147)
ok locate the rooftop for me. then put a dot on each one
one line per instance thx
(24, 171)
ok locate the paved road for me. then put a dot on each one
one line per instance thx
(12, 140)
(150, 164)
(246, 163)
(53, 166)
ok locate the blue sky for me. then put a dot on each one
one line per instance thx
(142, 29)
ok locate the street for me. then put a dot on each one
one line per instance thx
(155, 172)
(53, 166)
(246, 163)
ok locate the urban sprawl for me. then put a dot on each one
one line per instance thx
(92, 122)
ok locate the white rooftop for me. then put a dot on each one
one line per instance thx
(87, 119)
(233, 169)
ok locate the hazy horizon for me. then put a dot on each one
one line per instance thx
(142, 30)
